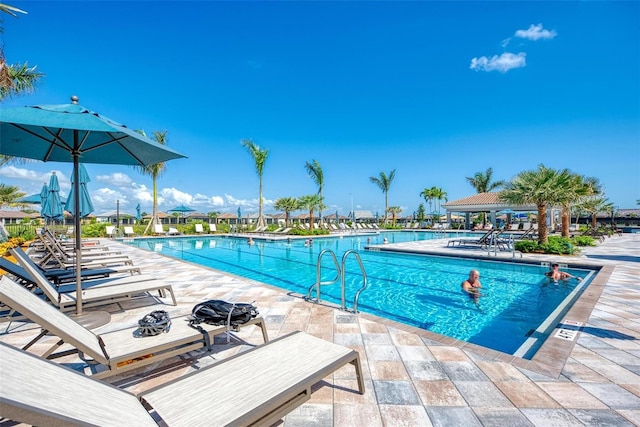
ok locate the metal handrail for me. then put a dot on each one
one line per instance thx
(364, 278)
(318, 282)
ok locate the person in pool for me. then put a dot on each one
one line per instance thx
(472, 285)
(555, 274)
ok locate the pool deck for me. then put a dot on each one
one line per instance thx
(413, 377)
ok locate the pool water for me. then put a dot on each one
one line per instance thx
(422, 291)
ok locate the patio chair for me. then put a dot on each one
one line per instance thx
(111, 231)
(158, 229)
(112, 352)
(199, 229)
(212, 228)
(101, 293)
(256, 387)
(67, 270)
(482, 241)
(50, 245)
(128, 231)
(173, 232)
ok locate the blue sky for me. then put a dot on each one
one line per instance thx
(435, 90)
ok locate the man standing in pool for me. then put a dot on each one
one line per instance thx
(555, 274)
(472, 285)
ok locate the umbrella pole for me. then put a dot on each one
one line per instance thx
(77, 230)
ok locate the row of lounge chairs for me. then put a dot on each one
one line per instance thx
(256, 387)
(503, 239)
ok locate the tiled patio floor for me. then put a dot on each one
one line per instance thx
(413, 377)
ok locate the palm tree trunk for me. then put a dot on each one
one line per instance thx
(542, 224)
(260, 217)
(566, 219)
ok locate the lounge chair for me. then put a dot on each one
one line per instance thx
(104, 293)
(111, 231)
(256, 387)
(482, 241)
(199, 229)
(158, 229)
(173, 231)
(128, 231)
(212, 228)
(61, 276)
(117, 351)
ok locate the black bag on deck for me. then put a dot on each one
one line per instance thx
(218, 312)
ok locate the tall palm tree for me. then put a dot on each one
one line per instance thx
(311, 202)
(394, 210)
(15, 79)
(315, 172)
(259, 156)
(427, 194)
(287, 205)
(9, 195)
(542, 187)
(154, 171)
(483, 183)
(439, 194)
(384, 183)
(577, 189)
(594, 205)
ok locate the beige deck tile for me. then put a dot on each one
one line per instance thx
(526, 394)
(439, 393)
(404, 416)
(357, 415)
(570, 395)
(498, 371)
(448, 354)
(387, 370)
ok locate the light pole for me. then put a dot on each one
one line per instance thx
(353, 214)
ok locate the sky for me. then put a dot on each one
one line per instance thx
(436, 91)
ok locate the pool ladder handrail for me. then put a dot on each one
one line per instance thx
(340, 275)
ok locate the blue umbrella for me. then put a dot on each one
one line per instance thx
(67, 132)
(85, 205)
(182, 209)
(33, 199)
(53, 205)
(138, 215)
(43, 198)
(239, 215)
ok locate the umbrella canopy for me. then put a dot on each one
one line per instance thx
(85, 207)
(43, 198)
(181, 209)
(64, 133)
(34, 199)
(138, 215)
(507, 212)
(52, 208)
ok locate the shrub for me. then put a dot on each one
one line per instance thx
(583, 241)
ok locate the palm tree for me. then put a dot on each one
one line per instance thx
(315, 172)
(154, 171)
(14, 79)
(394, 210)
(427, 194)
(483, 181)
(287, 205)
(594, 205)
(9, 195)
(578, 187)
(259, 158)
(384, 183)
(439, 194)
(542, 187)
(311, 202)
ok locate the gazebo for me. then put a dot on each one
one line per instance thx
(482, 202)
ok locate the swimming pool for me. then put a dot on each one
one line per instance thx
(422, 291)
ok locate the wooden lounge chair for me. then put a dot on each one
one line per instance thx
(256, 387)
(112, 352)
(104, 293)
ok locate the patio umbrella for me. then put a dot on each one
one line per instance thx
(43, 198)
(239, 216)
(138, 215)
(85, 207)
(34, 199)
(53, 206)
(68, 132)
(182, 209)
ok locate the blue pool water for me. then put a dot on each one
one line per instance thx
(418, 290)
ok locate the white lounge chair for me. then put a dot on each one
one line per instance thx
(111, 231)
(212, 228)
(109, 350)
(256, 387)
(199, 229)
(104, 292)
(158, 229)
(128, 231)
(173, 231)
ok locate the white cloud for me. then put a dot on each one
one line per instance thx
(536, 32)
(118, 179)
(502, 63)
